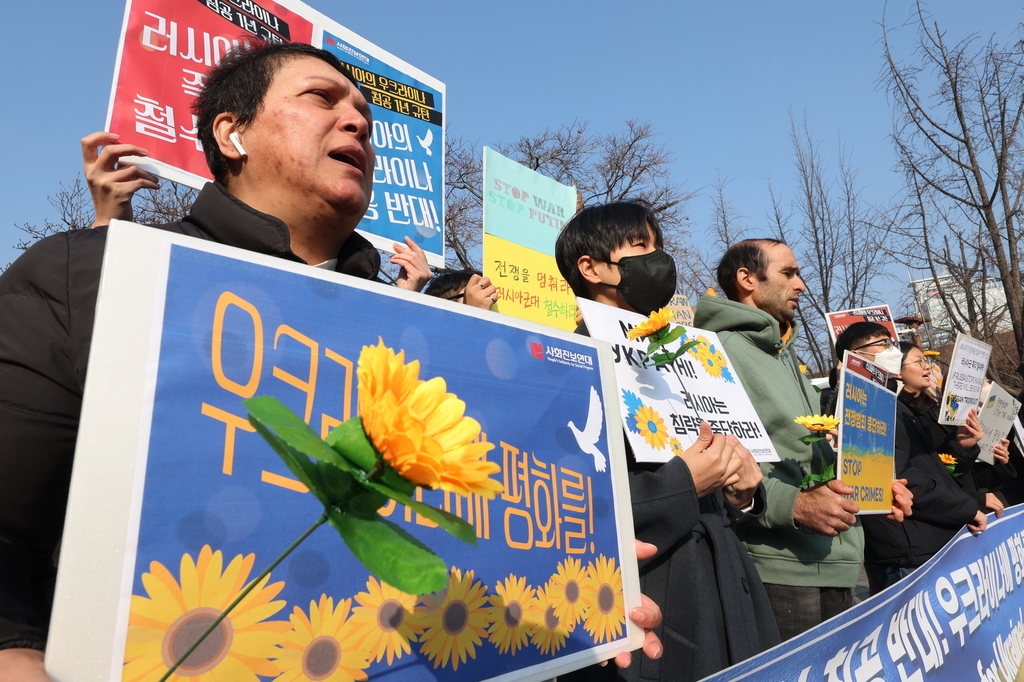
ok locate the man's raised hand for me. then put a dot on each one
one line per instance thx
(111, 184)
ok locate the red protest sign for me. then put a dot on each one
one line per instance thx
(167, 48)
(841, 319)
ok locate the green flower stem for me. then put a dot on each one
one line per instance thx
(255, 581)
(693, 406)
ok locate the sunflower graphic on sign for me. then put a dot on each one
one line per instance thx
(711, 359)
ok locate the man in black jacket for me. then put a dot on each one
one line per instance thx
(716, 611)
(286, 134)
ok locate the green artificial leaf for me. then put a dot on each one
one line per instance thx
(296, 462)
(656, 359)
(296, 433)
(389, 477)
(349, 494)
(449, 522)
(339, 485)
(829, 473)
(349, 439)
(807, 440)
(674, 334)
(391, 554)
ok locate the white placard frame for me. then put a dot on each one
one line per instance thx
(97, 560)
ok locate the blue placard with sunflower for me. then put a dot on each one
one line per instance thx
(542, 590)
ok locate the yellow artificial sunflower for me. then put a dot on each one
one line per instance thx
(932, 353)
(651, 427)
(947, 459)
(165, 623)
(385, 621)
(675, 447)
(511, 614)
(818, 422)
(566, 592)
(322, 645)
(605, 617)
(803, 369)
(550, 633)
(658, 320)
(455, 620)
(419, 428)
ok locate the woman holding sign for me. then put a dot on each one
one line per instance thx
(943, 502)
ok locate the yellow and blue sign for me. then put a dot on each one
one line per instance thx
(867, 434)
(524, 212)
(544, 585)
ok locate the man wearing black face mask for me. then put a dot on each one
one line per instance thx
(715, 610)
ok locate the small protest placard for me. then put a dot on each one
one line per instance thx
(662, 407)
(680, 305)
(964, 380)
(841, 319)
(867, 434)
(997, 415)
(523, 213)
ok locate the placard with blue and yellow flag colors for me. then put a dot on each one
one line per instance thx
(523, 213)
(867, 434)
(542, 591)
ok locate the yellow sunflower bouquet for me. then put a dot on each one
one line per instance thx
(410, 432)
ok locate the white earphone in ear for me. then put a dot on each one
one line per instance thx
(238, 145)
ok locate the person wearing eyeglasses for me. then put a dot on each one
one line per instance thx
(943, 502)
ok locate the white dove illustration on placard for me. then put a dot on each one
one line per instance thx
(427, 140)
(588, 437)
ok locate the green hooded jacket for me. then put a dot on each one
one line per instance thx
(783, 553)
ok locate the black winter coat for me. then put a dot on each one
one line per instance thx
(716, 612)
(715, 609)
(942, 503)
(47, 305)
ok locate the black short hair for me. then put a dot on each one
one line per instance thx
(750, 254)
(596, 231)
(447, 284)
(857, 334)
(239, 84)
(852, 337)
(923, 401)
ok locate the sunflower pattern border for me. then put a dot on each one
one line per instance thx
(338, 639)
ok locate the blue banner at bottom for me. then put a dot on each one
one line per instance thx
(959, 617)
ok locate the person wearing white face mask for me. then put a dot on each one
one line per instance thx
(943, 503)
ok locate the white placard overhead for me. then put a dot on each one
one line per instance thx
(965, 379)
(660, 421)
(997, 415)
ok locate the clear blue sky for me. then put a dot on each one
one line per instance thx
(718, 80)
